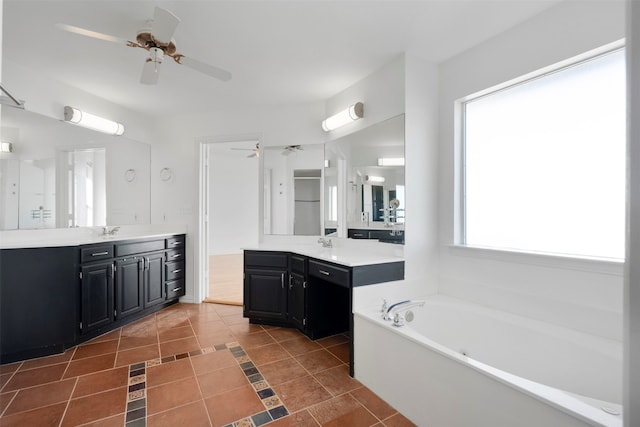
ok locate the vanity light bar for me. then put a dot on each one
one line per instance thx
(351, 114)
(89, 121)
(391, 161)
(373, 178)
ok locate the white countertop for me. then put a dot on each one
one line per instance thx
(56, 237)
(347, 252)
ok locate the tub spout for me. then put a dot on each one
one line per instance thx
(401, 306)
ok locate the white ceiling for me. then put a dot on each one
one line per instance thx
(279, 52)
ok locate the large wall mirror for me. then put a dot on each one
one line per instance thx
(60, 175)
(364, 183)
(292, 177)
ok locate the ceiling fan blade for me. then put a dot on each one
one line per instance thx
(164, 25)
(207, 69)
(89, 33)
(150, 72)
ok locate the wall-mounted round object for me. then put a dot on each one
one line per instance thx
(166, 174)
(130, 175)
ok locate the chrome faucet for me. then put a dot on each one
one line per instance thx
(326, 243)
(393, 311)
(109, 232)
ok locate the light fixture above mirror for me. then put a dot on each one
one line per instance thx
(351, 114)
(93, 122)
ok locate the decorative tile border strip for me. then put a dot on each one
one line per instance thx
(136, 415)
(274, 408)
(137, 396)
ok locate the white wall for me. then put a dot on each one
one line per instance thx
(584, 296)
(48, 97)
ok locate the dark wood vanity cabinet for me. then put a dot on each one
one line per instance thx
(96, 290)
(52, 298)
(297, 295)
(265, 287)
(130, 285)
(143, 275)
(317, 298)
(154, 284)
(39, 301)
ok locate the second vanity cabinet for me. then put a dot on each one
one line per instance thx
(313, 295)
(127, 279)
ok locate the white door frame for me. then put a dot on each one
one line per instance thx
(202, 233)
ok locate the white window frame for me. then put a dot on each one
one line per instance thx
(459, 246)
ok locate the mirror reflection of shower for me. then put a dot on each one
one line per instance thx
(83, 199)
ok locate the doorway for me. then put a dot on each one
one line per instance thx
(231, 220)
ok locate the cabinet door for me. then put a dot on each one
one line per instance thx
(265, 296)
(129, 286)
(297, 301)
(97, 296)
(153, 279)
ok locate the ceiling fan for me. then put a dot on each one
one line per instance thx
(156, 37)
(256, 151)
(291, 149)
(287, 149)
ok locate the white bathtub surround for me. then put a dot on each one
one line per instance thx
(82, 235)
(517, 372)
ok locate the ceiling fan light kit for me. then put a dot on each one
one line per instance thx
(156, 37)
(93, 122)
(351, 114)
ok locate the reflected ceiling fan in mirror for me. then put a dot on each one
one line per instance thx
(256, 150)
(156, 37)
(287, 149)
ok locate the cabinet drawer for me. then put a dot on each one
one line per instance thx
(330, 273)
(174, 270)
(266, 259)
(175, 255)
(175, 242)
(298, 264)
(139, 247)
(357, 234)
(96, 253)
(175, 288)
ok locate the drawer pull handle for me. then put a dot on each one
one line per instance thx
(176, 243)
(176, 289)
(177, 271)
(326, 273)
(100, 253)
(176, 256)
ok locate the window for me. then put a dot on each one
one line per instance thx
(544, 162)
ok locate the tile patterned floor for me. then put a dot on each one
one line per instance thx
(193, 365)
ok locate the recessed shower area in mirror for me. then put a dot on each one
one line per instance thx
(364, 183)
(59, 175)
(292, 194)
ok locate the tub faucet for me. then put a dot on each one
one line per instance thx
(393, 312)
(326, 243)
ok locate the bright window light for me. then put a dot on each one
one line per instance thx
(545, 162)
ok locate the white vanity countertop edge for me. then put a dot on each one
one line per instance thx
(343, 256)
(17, 239)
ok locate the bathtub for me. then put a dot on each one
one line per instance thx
(460, 364)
